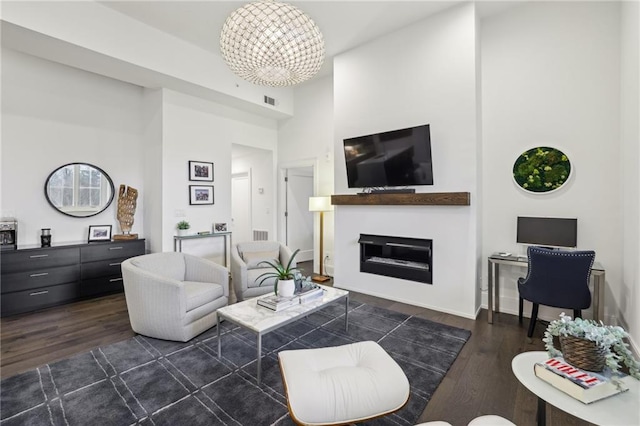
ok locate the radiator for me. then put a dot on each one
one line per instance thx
(260, 235)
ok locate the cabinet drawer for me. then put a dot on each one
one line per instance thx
(111, 251)
(102, 268)
(20, 281)
(101, 286)
(30, 300)
(30, 260)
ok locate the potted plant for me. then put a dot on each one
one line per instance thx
(608, 342)
(284, 276)
(183, 226)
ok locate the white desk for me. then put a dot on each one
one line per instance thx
(621, 409)
(495, 260)
(177, 242)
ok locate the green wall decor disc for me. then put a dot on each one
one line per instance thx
(541, 169)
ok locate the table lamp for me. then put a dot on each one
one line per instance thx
(320, 204)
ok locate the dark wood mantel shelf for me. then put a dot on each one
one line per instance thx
(418, 199)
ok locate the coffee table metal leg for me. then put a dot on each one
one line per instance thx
(542, 412)
(259, 359)
(219, 344)
(346, 313)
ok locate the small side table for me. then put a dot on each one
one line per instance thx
(621, 409)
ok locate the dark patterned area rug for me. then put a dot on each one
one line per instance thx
(155, 382)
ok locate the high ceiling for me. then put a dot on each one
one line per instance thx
(344, 24)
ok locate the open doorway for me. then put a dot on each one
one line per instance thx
(241, 206)
(252, 193)
(298, 220)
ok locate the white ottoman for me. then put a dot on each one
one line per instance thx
(342, 384)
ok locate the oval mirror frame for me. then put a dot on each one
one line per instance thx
(79, 190)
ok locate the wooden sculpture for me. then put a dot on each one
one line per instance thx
(127, 201)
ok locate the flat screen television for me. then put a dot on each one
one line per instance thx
(547, 231)
(395, 158)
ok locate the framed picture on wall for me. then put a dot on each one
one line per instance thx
(99, 233)
(201, 171)
(200, 194)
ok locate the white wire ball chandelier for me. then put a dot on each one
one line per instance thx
(272, 44)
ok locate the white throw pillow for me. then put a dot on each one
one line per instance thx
(252, 259)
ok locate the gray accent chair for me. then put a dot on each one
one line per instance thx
(245, 268)
(173, 296)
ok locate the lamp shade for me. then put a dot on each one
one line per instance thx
(272, 44)
(320, 204)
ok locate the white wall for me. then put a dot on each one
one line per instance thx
(550, 76)
(53, 115)
(199, 130)
(152, 166)
(628, 296)
(425, 73)
(308, 139)
(91, 36)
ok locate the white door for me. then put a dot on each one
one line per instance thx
(299, 228)
(241, 207)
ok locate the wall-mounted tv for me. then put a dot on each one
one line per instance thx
(547, 231)
(395, 158)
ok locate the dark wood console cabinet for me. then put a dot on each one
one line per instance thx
(36, 278)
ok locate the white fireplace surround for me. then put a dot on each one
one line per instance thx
(452, 229)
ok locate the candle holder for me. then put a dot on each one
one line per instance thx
(45, 237)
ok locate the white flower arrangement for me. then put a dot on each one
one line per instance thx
(610, 338)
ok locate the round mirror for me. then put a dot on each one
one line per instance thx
(79, 190)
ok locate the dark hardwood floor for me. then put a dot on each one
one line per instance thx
(479, 382)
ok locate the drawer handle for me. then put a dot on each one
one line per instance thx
(115, 248)
(38, 293)
(35, 256)
(42, 274)
(115, 264)
(113, 280)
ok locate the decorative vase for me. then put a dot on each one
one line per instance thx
(286, 287)
(182, 232)
(582, 353)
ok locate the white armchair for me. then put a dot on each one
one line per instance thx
(245, 268)
(173, 296)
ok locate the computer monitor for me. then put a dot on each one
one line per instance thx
(547, 231)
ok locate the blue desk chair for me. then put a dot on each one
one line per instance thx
(556, 278)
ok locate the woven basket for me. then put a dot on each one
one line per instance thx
(583, 354)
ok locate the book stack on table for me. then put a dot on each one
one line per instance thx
(278, 303)
(585, 386)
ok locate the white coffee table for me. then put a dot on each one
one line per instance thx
(621, 409)
(260, 320)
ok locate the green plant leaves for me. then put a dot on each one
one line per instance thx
(279, 272)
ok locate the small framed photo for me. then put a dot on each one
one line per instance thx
(199, 170)
(200, 194)
(99, 233)
(219, 227)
